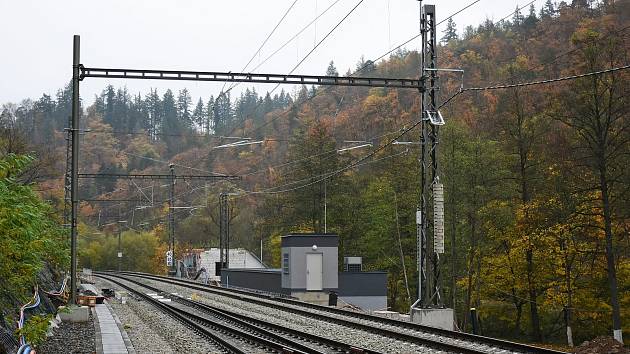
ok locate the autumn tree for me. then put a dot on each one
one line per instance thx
(596, 108)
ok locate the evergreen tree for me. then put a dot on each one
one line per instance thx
(199, 115)
(531, 19)
(63, 109)
(548, 10)
(153, 119)
(365, 67)
(171, 125)
(332, 70)
(450, 33)
(110, 101)
(121, 111)
(517, 18)
(137, 110)
(183, 108)
(223, 113)
(209, 118)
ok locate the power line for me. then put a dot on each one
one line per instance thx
(540, 82)
(326, 36)
(358, 71)
(351, 165)
(295, 36)
(289, 41)
(269, 35)
(323, 177)
(548, 81)
(288, 163)
(304, 58)
(524, 84)
(515, 11)
(563, 54)
(171, 163)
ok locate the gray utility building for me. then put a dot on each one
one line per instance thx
(310, 272)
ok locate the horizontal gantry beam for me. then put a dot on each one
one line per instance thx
(156, 177)
(249, 77)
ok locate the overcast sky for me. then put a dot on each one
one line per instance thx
(204, 35)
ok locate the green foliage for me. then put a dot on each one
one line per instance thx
(30, 234)
(526, 219)
(138, 248)
(35, 329)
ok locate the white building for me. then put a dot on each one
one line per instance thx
(208, 259)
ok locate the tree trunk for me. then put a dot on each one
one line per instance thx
(471, 264)
(519, 315)
(533, 306)
(610, 256)
(400, 249)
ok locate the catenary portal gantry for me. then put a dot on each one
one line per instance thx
(111, 73)
(428, 278)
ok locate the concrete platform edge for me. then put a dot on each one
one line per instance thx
(126, 339)
(97, 332)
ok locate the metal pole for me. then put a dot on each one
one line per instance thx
(325, 209)
(76, 50)
(222, 197)
(171, 220)
(227, 232)
(119, 249)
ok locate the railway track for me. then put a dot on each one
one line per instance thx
(404, 331)
(217, 324)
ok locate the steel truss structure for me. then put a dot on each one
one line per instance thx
(171, 177)
(249, 77)
(81, 72)
(429, 291)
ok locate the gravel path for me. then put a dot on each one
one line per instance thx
(71, 337)
(342, 333)
(151, 331)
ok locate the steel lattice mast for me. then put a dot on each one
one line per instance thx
(430, 230)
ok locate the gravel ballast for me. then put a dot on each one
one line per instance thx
(151, 331)
(345, 334)
(71, 337)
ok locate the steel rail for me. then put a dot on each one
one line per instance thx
(269, 302)
(238, 294)
(200, 323)
(178, 316)
(256, 324)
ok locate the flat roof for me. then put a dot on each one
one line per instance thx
(310, 239)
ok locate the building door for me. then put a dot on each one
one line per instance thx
(314, 271)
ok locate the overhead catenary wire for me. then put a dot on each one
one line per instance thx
(518, 8)
(306, 56)
(323, 176)
(264, 42)
(347, 167)
(291, 39)
(269, 35)
(356, 72)
(405, 131)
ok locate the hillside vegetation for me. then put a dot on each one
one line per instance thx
(536, 178)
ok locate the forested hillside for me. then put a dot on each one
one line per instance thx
(536, 177)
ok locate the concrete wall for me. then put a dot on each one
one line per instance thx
(367, 290)
(363, 284)
(259, 279)
(368, 303)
